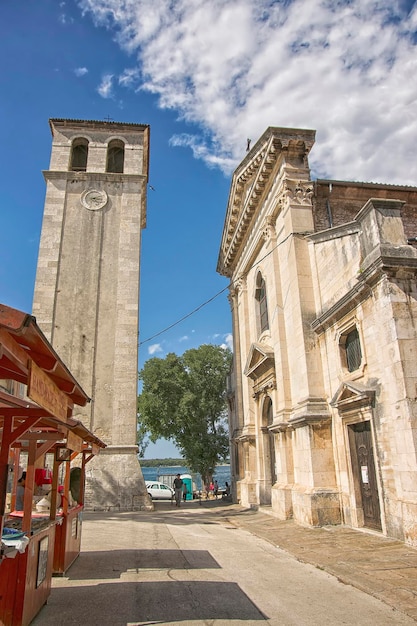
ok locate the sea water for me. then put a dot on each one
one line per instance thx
(221, 474)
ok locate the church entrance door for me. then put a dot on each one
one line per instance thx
(363, 466)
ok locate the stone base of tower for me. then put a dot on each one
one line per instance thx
(114, 481)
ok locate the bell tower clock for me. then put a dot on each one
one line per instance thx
(86, 296)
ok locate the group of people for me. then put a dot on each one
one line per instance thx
(180, 489)
(212, 489)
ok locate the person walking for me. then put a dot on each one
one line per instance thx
(20, 492)
(178, 484)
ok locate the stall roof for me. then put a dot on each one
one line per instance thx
(22, 327)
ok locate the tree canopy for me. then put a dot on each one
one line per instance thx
(183, 399)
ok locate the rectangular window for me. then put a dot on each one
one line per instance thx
(353, 351)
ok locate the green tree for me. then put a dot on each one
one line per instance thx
(142, 438)
(183, 399)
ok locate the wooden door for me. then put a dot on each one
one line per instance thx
(363, 466)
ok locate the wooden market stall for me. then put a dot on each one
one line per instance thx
(42, 442)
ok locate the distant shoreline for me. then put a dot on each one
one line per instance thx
(167, 463)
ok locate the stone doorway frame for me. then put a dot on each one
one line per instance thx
(355, 404)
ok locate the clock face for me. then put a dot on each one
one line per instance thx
(93, 200)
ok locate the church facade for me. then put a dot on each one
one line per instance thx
(322, 396)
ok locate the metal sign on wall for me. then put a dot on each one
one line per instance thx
(43, 391)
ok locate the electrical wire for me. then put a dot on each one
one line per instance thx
(229, 286)
(161, 332)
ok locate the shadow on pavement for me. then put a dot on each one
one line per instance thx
(111, 564)
(145, 602)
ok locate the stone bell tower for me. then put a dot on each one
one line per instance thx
(87, 288)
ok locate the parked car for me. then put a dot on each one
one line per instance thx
(159, 491)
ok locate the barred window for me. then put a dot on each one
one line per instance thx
(353, 350)
(260, 296)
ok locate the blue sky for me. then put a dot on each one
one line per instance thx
(205, 75)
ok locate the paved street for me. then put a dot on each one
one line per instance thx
(199, 565)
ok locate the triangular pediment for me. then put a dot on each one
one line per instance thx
(260, 361)
(351, 396)
(252, 182)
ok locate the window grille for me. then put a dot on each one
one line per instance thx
(353, 350)
(262, 304)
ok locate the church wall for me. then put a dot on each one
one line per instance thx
(340, 262)
(385, 316)
(344, 200)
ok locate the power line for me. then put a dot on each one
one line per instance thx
(185, 317)
(201, 306)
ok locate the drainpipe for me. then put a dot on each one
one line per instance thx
(329, 209)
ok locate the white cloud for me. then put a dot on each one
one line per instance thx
(155, 348)
(80, 71)
(130, 77)
(228, 341)
(183, 338)
(343, 67)
(63, 17)
(105, 89)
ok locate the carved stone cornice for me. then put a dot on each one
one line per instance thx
(252, 180)
(237, 288)
(248, 434)
(294, 192)
(353, 396)
(388, 266)
(268, 229)
(310, 412)
(106, 177)
(280, 427)
(260, 362)
(241, 283)
(310, 420)
(263, 388)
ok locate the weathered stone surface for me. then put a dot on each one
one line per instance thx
(336, 262)
(87, 292)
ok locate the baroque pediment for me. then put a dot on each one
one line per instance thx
(351, 396)
(260, 361)
(251, 183)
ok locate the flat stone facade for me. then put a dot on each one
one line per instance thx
(87, 290)
(322, 402)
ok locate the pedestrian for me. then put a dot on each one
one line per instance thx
(178, 485)
(184, 492)
(227, 489)
(211, 488)
(216, 489)
(20, 492)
